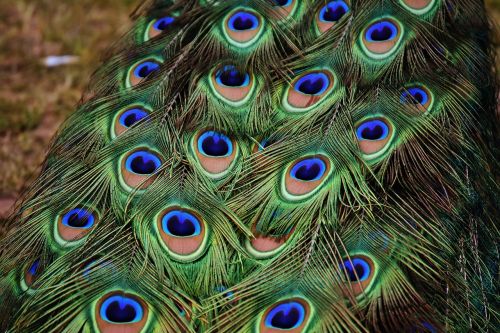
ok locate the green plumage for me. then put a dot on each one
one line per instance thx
(270, 166)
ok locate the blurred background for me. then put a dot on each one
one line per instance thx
(39, 90)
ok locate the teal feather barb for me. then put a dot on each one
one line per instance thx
(270, 166)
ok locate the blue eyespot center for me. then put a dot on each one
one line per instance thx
(142, 163)
(282, 3)
(265, 143)
(145, 68)
(163, 23)
(97, 267)
(89, 266)
(132, 116)
(429, 327)
(180, 223)
(356, 266)
(373, 130)
(333, 11)
(121, 309)
(381, 31)
(309, 169)
(424, 327)
(180, 308)
(215, 144)
(414, 95)
(286, 316)
(242, 21)
(230, 76)
(78, 218)
(221, 289)
(312, 83)
(33, 270)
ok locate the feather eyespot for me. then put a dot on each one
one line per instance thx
(330, 14)
(232, 85)
(33, 269)
(417, 96)
(131, 116)
(307, 90)
(74, 225)
(142, 163)
(261, 150)
(215, 151)
(359, 271)
(157, 26)
(312, 84)
(139, 168)
(283, 8)
(243, 27)
(183, 232)
(418, 7)
(119, 311)
(241, 21)
(264, 144)
(79, 218)
(286, 316)
(97, 267)
(308, 170)
(424, 327)
(180, 309)
(141, 70)
(215, 144)
(263, 246)
(381, 38)
(30, 274)
(305, 176)
(381, 240)
(291, 315)
(128, 118)
(228, 296)
(374, 137)
(227, 293)
(181, 224)
(229, 76)
(282, 3)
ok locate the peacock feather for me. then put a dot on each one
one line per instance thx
(270, 166)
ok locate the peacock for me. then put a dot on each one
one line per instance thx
(270, 166)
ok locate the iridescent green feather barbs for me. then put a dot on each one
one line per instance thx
(270, 166)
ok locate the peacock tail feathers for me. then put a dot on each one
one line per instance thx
(270, 166)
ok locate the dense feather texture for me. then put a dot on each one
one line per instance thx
(269, 166)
